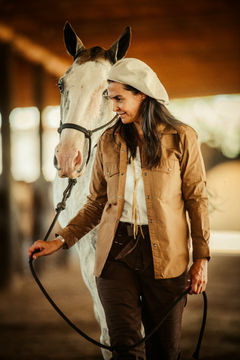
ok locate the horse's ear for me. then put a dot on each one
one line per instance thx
(72, 42)
(120, 47)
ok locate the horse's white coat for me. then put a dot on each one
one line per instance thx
(82, 103)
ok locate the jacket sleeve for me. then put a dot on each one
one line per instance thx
(89, 215)
(195, 195)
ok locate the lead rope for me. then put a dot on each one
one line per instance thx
(61, 206)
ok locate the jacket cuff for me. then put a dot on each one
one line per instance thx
(201, 253)
(68, 236)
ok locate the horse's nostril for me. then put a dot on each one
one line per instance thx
(55, 162)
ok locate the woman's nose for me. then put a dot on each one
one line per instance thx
(115, 107)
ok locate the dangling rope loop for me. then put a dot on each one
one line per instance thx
(61, 206)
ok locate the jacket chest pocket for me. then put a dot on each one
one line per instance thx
(111, 174)
(167, 180)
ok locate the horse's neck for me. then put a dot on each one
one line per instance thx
(85, 178)
(106, 116)
(83, 182)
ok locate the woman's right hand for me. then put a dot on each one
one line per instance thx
(44, 248)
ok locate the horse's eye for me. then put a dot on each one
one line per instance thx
(105, 93)
(60, 85)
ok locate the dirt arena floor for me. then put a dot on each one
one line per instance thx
(31, 329)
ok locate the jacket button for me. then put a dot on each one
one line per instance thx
(109, 173)
(155, 245)
(169, 169)
(151, 221)
(117, 221)
(148, 197)
(123, 150)
(122, 174)
(120, 197)
(145, 174)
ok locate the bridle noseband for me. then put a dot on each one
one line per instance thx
(87, 133)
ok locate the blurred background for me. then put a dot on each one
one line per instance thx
(194, 47)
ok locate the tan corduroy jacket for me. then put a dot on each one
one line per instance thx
(172, 189)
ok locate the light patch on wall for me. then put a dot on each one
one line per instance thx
(25, 147)
(25, 143)
(216, 119)
(51, 121)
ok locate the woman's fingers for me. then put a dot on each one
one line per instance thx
(198, 276)
(42, 248)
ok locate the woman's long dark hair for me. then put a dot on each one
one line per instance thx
(153, 113)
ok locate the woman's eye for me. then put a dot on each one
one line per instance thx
(60, 85)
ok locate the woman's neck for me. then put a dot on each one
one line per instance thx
(140, 144)
(138, 126)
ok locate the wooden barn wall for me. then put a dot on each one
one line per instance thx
(23, 85)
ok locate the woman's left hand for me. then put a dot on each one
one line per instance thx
(197, 276)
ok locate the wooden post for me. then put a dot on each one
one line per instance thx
(41, 186)
(6, 204)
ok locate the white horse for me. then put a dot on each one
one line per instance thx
(82, 103)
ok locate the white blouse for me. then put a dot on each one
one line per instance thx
(128, 196)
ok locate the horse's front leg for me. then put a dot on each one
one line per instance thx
(86, 250)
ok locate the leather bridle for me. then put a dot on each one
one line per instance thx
(87, 133)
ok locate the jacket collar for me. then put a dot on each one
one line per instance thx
(162, 128)
(166, 129)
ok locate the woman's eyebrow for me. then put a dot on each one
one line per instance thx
(117, 96)
(105, 93)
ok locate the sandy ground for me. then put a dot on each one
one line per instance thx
(31, 329)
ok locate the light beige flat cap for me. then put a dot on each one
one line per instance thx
(136, 73)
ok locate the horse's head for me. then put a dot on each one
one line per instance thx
(82, 100)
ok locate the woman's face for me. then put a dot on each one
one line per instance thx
(125, 103)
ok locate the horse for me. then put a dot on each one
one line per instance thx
(85, 108)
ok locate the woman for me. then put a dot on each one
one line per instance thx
(147, 175)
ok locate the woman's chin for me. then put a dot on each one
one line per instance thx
(124, 119)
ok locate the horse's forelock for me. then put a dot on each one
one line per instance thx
(93, 54)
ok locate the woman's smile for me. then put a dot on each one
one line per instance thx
(125, 103)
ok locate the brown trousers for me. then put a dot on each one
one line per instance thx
(130, 296)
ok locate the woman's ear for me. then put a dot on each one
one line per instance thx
(143, 96)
